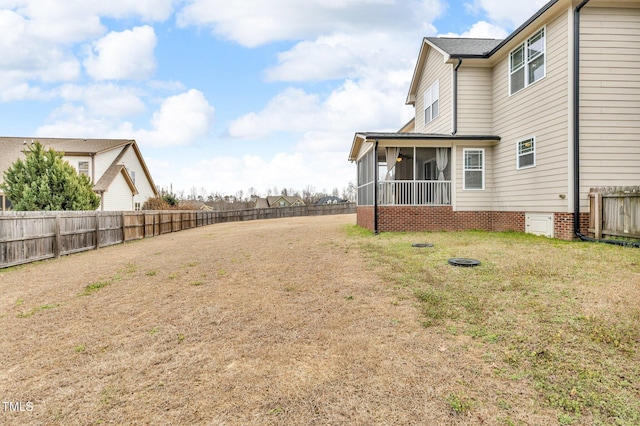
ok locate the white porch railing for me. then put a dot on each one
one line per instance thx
(414, 193)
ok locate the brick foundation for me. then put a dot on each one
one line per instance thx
(365, 217)
(563, 225)
(443, 218)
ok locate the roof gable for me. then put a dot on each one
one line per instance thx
(474, 48)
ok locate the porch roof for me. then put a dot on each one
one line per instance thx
(362, 137)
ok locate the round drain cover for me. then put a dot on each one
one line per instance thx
(460, 261)
(422, 245)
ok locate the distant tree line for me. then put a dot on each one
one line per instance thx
(180, 200)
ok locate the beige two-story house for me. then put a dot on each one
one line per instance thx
(511, 134)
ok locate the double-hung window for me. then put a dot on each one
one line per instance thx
(473, 174)
(527, 153)
(431, 103)
(527, 62)
(83, 168)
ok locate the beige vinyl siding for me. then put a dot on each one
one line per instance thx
(540, 110)
(475, 101)
(609, 98)
(118, 197)
(474, 200)
(435, 70)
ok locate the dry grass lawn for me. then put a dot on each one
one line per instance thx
(288, 321)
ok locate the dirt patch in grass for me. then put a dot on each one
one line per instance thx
(293, 321)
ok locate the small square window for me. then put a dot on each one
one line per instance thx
(527, 153)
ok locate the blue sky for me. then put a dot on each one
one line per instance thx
(227, 96)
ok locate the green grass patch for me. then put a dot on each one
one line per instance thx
(92, 288)
(546, 310)
(35, 310)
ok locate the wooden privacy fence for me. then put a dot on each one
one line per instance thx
(31, 236)
(615, 212)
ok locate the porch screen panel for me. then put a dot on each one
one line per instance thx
(366, 179)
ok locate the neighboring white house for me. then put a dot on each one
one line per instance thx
(115, 166)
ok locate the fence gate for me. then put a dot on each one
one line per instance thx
(615, 211)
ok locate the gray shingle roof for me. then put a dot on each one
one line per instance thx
(464, 46)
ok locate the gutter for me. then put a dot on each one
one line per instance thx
(455, 98)
(576, 136)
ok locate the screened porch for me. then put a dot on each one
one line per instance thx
(407, 176)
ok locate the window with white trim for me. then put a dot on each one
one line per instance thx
(431, 102)
(527, 62)
(83, 168)
(137, 206)
(526, 153)
(473, 170)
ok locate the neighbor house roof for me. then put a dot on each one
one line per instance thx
(270, 201)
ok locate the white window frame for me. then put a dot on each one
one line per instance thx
(465, 169)
(528, 61)
(529, 151)
(431, 98)
(80, 169)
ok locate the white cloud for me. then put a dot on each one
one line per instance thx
(228, 174)
(340, 56)
(354, 106)
(38, 37)
(181, 120)
(107, 100)
(508, 12)
(123, 55)
(256, 22)
(481, 29)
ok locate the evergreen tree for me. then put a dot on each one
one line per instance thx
(44, 181)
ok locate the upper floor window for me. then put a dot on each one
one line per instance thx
(132, 173)
(473, 176)
(527, 153)
(527, 63)
(431, 98)
(83, 168)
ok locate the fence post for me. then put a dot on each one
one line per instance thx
(97, 230)
(597, 213)
(58, 241)
(124, 228)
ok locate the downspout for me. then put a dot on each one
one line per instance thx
(455, 97)
(576, 118)
(576, 135)
(375, 188)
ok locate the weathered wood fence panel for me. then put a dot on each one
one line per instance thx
(31, 236)
(615, 211)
